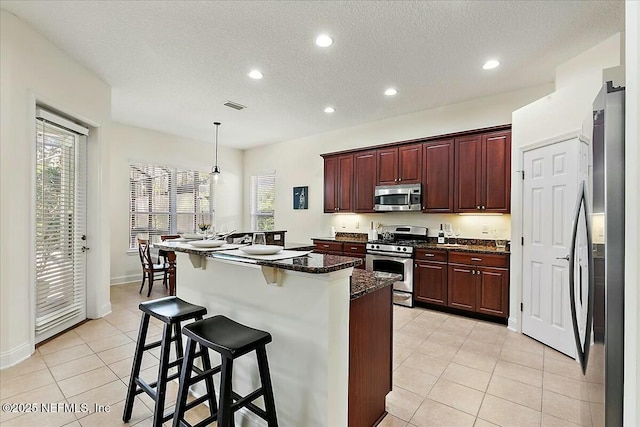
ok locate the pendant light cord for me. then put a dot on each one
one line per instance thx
(217, 125)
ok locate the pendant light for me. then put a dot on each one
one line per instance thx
(216, 169)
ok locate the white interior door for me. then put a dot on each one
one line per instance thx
(551, 177)
(60, 229)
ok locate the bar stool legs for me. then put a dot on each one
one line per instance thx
(171, 311)
(231, 340)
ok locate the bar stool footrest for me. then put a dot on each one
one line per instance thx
(203, 374)
(247, 402)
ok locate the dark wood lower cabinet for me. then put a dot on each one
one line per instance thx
(370, 350)
(483, 290)
(430, 282)
(492, 292)
(355, 250)
(462, 287)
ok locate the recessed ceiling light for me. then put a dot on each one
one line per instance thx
(255, 74)
(329, 110)
(491, 64)
(390, 92)
(324, 40)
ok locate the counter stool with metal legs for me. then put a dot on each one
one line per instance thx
(171, 311)
(231, 340)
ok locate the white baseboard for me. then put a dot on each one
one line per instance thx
(104, 310)
(125, 280)
(512, 324)
(15, 356)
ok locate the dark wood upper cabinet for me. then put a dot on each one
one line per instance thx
(496, 184)
(330, 184)
(410, 164)
(437, 177)
(399, 165)
(387, 165)
(364, 181)
(468, 171)
(483, 173)
(338, 183)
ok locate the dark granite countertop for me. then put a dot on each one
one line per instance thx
(340, 239)
(484, 249)
(477, 246)
(292, 246)
(364, 282)
(310, 263)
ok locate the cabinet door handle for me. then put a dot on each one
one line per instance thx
(473, 272)
(476, 259)
(399, 179)
(484, 207)
(478, 207)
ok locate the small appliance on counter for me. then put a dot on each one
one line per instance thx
(394, 254)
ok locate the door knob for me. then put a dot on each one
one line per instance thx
(566, 258)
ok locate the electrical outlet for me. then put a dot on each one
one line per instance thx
(343, 225)
(357, 225)
(485, 229)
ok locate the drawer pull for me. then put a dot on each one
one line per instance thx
(353, 248)
(476, 259)
(326, 246)
(429, 255)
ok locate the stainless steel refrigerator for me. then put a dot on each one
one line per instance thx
(596, 271)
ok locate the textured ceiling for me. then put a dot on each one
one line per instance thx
(172, 64)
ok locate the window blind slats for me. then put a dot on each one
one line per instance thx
(262, 201)
(165, 200)
(60, 268)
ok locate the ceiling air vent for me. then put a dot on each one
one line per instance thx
(234, 105)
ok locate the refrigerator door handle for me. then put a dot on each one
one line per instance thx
(583, 348)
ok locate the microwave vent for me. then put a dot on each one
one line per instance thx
(234, 105)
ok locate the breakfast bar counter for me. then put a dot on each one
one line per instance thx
(316, 308)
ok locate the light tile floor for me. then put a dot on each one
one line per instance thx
(448, 371)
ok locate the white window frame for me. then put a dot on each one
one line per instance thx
(260, 183)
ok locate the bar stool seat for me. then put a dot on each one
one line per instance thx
(171, 311)
(231, 340)
(227, 337)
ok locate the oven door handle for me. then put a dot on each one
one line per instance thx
(390, 254)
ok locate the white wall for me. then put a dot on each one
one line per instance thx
(298, 163)
(632, 224)
(133, 144)
(34, 70)
(558, 113)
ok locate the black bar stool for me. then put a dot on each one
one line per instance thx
(171, 311)
(231, 340)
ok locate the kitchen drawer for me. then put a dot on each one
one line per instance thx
(323, 246)
(485, 260)
(431, 255)
(354, 248)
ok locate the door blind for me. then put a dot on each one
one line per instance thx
(60, 263)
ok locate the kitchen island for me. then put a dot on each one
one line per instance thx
(321, 356)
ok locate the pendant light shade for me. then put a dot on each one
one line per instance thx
(216, 169)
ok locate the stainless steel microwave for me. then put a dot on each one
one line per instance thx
(396, 198)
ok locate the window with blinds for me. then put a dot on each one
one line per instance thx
(166, 200)
(60, 261)
(263, 192)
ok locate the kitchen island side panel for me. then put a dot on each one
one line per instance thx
(308, 317)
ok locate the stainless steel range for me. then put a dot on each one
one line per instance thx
(394, 254)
